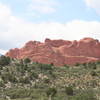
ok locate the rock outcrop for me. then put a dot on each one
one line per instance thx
(59, 52)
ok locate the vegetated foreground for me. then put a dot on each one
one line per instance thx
(59, 52)
(26, 80)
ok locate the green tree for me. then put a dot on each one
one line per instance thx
(51, 92)
(4, 60)
(69, 91)
(92, 65)
(27, 60)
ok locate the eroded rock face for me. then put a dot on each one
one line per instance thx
(59, 52)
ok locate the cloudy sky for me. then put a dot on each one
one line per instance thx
(24, 20)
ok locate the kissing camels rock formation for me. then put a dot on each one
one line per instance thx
(59, 52)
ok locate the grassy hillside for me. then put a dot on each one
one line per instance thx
(25, 80)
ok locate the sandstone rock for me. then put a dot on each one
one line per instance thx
(59, 52)
(13, 53)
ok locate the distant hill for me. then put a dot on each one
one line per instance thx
(59, 52)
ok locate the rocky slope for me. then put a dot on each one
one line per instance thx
(59, 52)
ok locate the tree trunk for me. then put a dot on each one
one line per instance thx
(50, 98)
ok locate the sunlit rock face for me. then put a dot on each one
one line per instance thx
(59, 52)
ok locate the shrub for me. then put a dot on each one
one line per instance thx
(18, 93)
(77, 64)
(66, 66)
(51, 92)
(27, 60)
(92, 65)
(69, 90)
(52, 64)
(46, 80)
(86, 95)
(8, 77)
(45, 67)
(2, 83)
(4, 60)
(24, 80)
(33, 75)
(93, 73)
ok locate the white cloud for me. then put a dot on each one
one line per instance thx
(94, 4)
(43, 6)
(2, 51)
(15, 32)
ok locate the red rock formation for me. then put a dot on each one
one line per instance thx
(59, 52)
